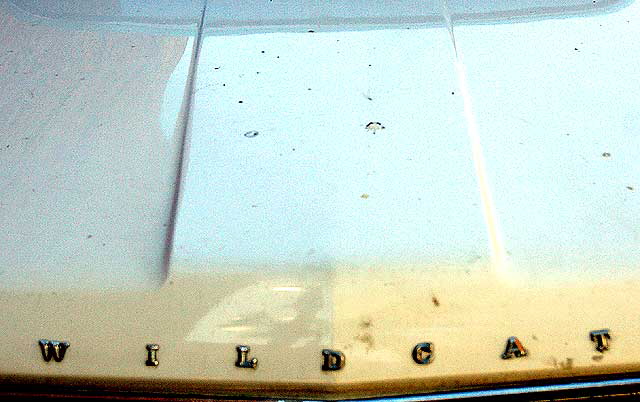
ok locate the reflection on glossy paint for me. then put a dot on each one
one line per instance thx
(498, 253)
(159, 16)
(287, 289)
(257, 16)
(174, 93)
(491, 219)
(261, 313)
(238, 329)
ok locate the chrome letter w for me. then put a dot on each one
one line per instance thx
(53, 349)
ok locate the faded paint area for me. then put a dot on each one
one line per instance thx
(88, 154)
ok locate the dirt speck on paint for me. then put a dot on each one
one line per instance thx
(366, 339)
(567, 364)
(365, 323)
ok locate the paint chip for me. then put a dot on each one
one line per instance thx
(374, 126)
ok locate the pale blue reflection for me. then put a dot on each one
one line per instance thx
(254, 16)
(165, 17)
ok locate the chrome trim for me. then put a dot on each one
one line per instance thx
(527, 391)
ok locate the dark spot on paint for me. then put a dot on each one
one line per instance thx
(277, 57)
(257, 72)
(224, 85)
(566, 365)
(630, 188)
(575, 48)
(216, 68)
(262, 51)
(535, 338)
(239, 101)
(435, 301)
(251, 134)
(311, 31)
(453, 93)
(293, 149)
(308, 89)
(365, 323)
(597, 358)
(365, 338)
(89, 236)
(104, 244)
(606, 154)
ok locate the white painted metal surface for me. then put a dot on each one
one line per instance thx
(500, 199)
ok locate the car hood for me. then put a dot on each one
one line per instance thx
(351, 178)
